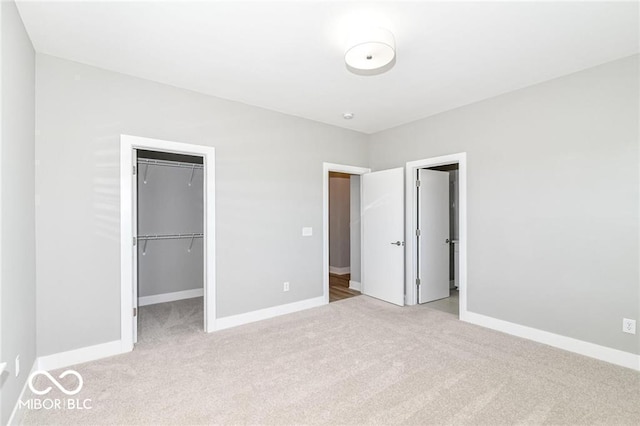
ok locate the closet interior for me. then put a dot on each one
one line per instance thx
(170, 257)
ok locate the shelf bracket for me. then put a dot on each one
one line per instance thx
(193, 169)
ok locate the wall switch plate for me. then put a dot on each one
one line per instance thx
(17, 365)
(307, 231)
(629, 325)
(286, 286)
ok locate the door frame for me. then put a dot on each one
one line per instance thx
(412, 220)
(340, 168)
(127, 145)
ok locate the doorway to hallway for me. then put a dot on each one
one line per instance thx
(382, 210)
(344, 236)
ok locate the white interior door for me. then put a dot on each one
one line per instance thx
(383, 235)
(433, 241)
(134, 204)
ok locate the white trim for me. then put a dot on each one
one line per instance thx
(340, 168)
(339, 271)
(262, 314)
(170, 297)
(355, 285)
(81, 355)
(127, 144)
(411, 220)
(592, 350)
(17, 416)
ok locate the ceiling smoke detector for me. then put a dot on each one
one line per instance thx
(371, 52)
(347, 115)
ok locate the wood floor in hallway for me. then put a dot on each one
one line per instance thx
(339, 287)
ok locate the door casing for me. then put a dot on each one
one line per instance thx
(127, 145)
(411, 213)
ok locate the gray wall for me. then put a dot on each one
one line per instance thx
(552, 200)
(339, 252)
(354, 204)
(17, 240)
(167, 204)
(268, 186)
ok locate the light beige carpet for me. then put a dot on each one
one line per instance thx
(356, 361)
(165, 321)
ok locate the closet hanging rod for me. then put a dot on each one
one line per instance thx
(166, 163)
(170, 236)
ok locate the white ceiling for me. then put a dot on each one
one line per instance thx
(288, 56)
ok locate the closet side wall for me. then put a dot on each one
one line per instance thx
(167, 204)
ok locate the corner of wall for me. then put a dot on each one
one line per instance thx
(17, 206)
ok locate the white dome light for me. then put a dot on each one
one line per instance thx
(371, 52)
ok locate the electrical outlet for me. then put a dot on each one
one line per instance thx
(629, 325)
(286, 286)
(17, 365)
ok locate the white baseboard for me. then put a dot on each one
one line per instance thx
(78, 356)
(339, 270)
(262, 314)
(355, 285)
(592, 350)
(17, 416)
(170, 297)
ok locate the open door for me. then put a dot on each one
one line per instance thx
(134, 203)
(383, 235)
(433, 238)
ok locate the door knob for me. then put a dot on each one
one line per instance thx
(447, 241)
(398, 243)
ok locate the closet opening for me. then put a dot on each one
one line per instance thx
(169, 228)
(198, 169)
(344, 236)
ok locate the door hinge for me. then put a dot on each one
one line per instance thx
(135, 312)
(135, 240)
(134, 170)
(417, 232)
(418, 183)
(417, 281)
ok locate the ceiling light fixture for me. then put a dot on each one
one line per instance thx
(371, 52)
(347, 115)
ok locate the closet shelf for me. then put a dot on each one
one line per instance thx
(149, 162)
(169, 236)
(147, 238)
(165, 163)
